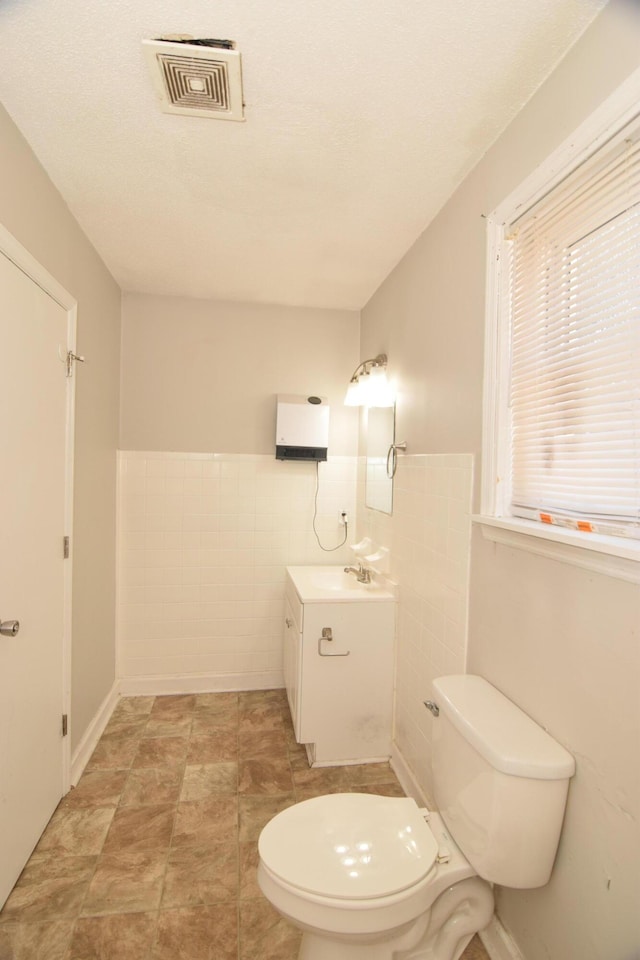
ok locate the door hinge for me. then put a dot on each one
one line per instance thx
(71, 359)
(65, 724)
(66, 545)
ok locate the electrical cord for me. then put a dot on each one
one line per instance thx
(315, 514)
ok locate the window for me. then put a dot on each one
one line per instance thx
(562, 410)
(574, 309)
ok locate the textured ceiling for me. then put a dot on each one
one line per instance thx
(362, 116)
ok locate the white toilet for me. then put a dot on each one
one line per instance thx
(378, 878)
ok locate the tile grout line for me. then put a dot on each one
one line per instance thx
(154, 939)
(117, 807)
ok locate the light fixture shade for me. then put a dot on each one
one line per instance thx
(369, 386)
(378, 390)
(354, 395)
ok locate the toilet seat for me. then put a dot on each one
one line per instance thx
(349, 846)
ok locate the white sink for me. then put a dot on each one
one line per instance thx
(334, 580)
(332, 583)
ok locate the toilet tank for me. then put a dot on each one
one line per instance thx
(500, 782)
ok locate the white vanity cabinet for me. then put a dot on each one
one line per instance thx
(338, 665)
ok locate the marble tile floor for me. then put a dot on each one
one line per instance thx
(153, 855)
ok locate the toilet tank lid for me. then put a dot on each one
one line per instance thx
(500, 731)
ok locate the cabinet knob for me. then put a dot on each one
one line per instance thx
(288, 621)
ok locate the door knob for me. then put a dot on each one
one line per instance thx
(9, 628)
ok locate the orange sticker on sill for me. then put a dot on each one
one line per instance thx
(546, 518)
(584, 526)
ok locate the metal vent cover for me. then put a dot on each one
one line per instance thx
(196, 80)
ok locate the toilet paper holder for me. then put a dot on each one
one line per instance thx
(327, 634)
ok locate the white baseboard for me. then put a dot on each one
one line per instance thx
(495, 938)
(199, 683)
(93, 733)
(498, 943)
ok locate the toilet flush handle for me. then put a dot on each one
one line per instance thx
(433, 707)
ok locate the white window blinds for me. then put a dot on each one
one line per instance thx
(575, 347)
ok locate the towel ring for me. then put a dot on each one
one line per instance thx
(392, 458)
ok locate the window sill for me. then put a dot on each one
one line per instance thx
(611, 556)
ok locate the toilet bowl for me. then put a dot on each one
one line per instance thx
(379, 878)
(369, 876)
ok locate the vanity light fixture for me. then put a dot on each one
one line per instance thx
(369, 386)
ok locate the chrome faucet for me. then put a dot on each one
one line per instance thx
(363, 574)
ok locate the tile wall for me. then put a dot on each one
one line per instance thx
(204, 540)
(203, 544)
(428, 536)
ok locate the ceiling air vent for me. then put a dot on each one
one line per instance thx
(197, 78)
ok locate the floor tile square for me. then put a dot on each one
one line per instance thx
(255, 743)
(112, 755)
(267, 776)
(125, 882)
(198, 933)
(266, 716)
(151, 785)
(212, 748)
(173, 706)
(168, 726)
(217, 702)
(97, 788)
(127, 727)
(141, 829)
(204, 876)
(202, 822)
(127, 936)
(208, 724)
(161, 752)
(50, 888)
(133, 706)
(35, 941)
(255, 812)
(265, 934)
(208, 780)
(76, 832)
(361, 773)
(314, 781)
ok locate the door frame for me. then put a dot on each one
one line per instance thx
(14, 251)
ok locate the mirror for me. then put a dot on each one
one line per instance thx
(380, 436)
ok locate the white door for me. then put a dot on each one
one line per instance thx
(33, 439)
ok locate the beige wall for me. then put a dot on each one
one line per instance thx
(561, 642)
(428, 315)
(201, 376)
(33, 211)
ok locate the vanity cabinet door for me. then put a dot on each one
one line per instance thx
(346, 690)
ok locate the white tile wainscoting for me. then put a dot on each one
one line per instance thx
(429, 537)
(204, 540)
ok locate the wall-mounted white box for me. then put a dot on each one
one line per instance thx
(302, 427)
